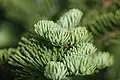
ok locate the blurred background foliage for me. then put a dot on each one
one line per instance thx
(19, 16)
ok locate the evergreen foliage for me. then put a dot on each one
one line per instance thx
(103, 23)
(64, 49)
(4, 55)
(50, 53)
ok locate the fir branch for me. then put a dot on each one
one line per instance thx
(33, 58)
(70, 19)
(4, 55)
(84, 59)
(80, 34)
(52, 32)
(56, 71)
(103, 23)
(65, 31)
(29, 61)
